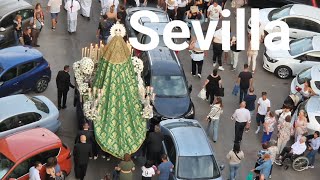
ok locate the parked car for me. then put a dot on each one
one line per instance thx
(20, 112)
(163, 71)
(303, 53)
(188, 148)
(312, 109)
(280, 3)
(23, 69)
(8, 12)
(20, 151)
(162, 15)
(303, 20)
(311, 74)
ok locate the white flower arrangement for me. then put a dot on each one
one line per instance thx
(86, 65)
(118, 30)
(83, 88)
(89, 111)
(147, 112)
(137, 65)
(82, 71)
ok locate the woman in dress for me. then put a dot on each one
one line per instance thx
(300, 125)
(214, 117)
(38, 23)
(126, 167)
(268, 127)
(212, 84)
(285, 130)
(234, 156)
(307, 91)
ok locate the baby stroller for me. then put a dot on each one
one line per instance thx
(292, 101)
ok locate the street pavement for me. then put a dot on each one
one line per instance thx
(60, 48)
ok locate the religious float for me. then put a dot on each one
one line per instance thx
(110, 93)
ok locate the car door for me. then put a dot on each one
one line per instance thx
(8, 81)
(311, 27)
(6, 26)
(308, 60)
(170, 150)
(26, 77)
(28, 121)
(8, 126)
(296, 27)
(26, 15)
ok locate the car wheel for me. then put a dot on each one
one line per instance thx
(283, 72)
(41, 85)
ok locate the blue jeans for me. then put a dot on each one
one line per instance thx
(243, 93)
(215, 124)
(233, 170)
(311, 156)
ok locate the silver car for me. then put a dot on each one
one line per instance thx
(20, 112)
(188, 148)
(8, 11)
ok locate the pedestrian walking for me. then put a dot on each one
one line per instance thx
(81, 152)
(245, 81)
(38, 23)
(181, 11)
(235, 156)
(154, 145)
(104, 27)
(17, 29)
(265, 167)
(34, 171)
(260, 155)
(206, 4)
(252, 56)
(27, 38)
(148, 171)
(85, 8)
(63, 84)
(126, 167)
(193, 14)
(273, 151)
(283, 113)
(90, 139)
(263, 108)
(234, 53)
(212, 84)
(214, 117)
(197, 56)
(300, 125)
(250, 100)
(313, 148)
(268, 127)
(171, 8)
(214, 11)
(285, 130)
(217, 49)
(54, 9)
(165, 168)
(72, 7)
(242, 120)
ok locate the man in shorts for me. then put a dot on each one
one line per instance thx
(262, 109)
(54, 8)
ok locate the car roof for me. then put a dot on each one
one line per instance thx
(135, 9)
(315, 72)
(163, 62)
(18, 145)
(15, 104)
(305, 10)
(158, 27)
(316, 42)
(8, 6)
(18, 54)
(313, 104)
(188, 133)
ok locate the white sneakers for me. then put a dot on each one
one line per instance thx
(214, 64)
(199, 75)
(221, 68)
(257, 131)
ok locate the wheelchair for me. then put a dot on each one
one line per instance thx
(298, 162)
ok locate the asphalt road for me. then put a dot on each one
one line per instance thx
(60, 48)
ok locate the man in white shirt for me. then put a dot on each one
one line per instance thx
(262, 109)
(54, 8)
(72, 7)
(242, 120)
(214, 12)
(297, 148)
(85, 8)
(34, 171)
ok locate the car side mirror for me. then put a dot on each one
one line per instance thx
(2, 29)
(222, 166)
(190, 88)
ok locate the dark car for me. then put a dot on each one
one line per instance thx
(162, 15)
(8, 11)
(23, 69)
(280, 3)
(162, 71)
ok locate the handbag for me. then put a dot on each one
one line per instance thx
(249, 176)
(221, 91)
(236, 89)
(202, 94)
(237, 155)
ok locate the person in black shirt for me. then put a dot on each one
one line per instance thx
(90, 138)
(27, 38)
(81, 152)
(245, 81)
(63, 84)
(154, 145)
(250, 100)
(17, 29)
(234, 53)
(122, 14)
(104, 27)
(212, 84)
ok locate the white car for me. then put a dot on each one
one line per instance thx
(312, 107)
(303, 20)
(20, 112)
(311, 74)
(303, 53)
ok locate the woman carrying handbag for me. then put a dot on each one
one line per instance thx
(234, 156)
(214, 117)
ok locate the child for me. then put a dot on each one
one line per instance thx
(147, 171)
(268, 127)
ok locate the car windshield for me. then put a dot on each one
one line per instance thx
(41, 106)
(279, 13)
(300, 46)
(5, 165)
(203, 167)
(169, 85)
(304, 75)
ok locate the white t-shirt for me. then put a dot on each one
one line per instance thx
(214, 12)
(263, 106)
(147, 172)
(182, 3)
(217, 37)
(171, 7)
(55, 5)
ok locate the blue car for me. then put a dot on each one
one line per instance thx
(23, 69)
